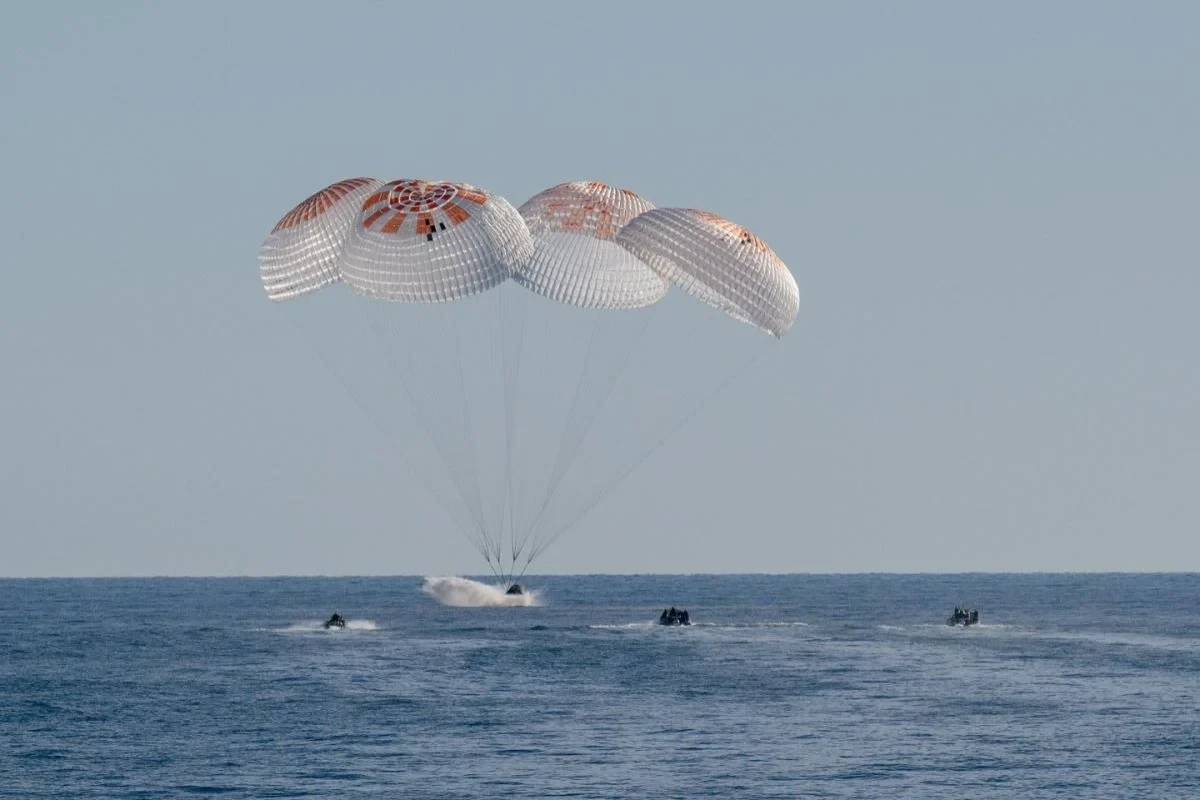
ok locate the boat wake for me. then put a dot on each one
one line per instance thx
(318, 626)
(717, 626)
(625, 626)
(941, 627)
(466, 593)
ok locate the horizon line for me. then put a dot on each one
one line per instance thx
(484, 578)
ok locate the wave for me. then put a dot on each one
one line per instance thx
(1129, 639)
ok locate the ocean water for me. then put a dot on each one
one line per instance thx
(785, 686)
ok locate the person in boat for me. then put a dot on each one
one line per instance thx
(336, 621)
(674, 616)
(964, 616)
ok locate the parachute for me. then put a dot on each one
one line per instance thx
(575, 259)
(718, 261)
(302, 253)
(421, 242)
(543, 310)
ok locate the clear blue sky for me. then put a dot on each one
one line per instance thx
(991, 211)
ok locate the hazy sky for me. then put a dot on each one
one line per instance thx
(991, 211)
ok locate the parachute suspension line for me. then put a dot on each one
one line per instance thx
(511, 377)
(471, 443)
(522, 480)
(737, 373)
(478, 536)
(505, 488)
(552, 484)
(493, 495)
(380, 424)
(576, 442)
(406, 380)
(506, 501)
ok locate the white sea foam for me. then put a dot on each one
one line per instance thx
(318, 626)
(721, 626)
(360, 625)
(466, 593)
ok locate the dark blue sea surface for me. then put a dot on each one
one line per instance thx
(785, 686)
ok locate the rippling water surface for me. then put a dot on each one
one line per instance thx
(786, 686)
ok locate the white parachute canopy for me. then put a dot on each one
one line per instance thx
(302, 253)
(717, 261)
(417, 241)
(575, 259)
(493, 390)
